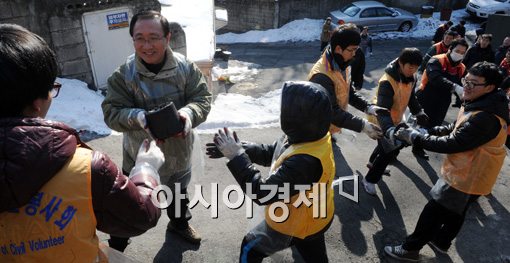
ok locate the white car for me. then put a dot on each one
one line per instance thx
(484, 8)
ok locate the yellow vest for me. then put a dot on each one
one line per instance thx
(342, 85)
(301, 221)
(401, 95)
(58, 224)
(475, 171)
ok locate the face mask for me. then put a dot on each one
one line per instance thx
(456, 57)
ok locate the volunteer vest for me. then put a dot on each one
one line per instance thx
(475, 171)
(342, 86)
(447, 67)
(401, 94)
(301, 221)
(440, 48)
(58, 223)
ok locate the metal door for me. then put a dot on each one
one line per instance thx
(108, 41)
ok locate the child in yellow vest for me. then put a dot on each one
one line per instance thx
(302, 158)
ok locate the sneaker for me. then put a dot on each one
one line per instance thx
(399, 253)
(386, 171)
(436, 247)
(189, 234)
(369, 187)
(419, 152)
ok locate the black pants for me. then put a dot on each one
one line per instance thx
(438, 224)
(179, 219)
(380, 161)
(312, 249)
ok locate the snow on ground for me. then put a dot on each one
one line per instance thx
(80, 107)
(309, 30)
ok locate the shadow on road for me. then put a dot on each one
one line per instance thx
(172, 249)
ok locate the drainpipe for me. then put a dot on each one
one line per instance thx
(276, 16)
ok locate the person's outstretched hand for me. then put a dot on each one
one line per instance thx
(148, 160)
(228, 143)
(373, 131)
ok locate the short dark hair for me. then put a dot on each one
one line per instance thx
(489, 71)
(460, 41)
(410, 55)
(346, 35)
(147, 15)
(462, 22)
(450, 23)
(451, 33)
(28, 69)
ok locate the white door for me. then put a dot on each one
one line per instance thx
(108, 41)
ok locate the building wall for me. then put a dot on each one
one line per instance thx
(59, 22)
(245, 15)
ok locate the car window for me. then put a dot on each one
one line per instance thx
(369, 12)
(350, 10)
(384, 12)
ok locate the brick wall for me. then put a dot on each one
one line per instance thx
(59, 22)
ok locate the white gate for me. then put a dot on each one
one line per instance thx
(108, 41)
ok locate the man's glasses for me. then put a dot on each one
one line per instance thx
(152, 40)
(55, 90)
(470, 85)
(352, 50)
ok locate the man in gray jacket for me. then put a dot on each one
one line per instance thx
(152, 77)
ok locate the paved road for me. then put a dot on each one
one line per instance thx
(360, 229)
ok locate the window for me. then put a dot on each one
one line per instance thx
(350, 10)
(384, 12)
(369, 12)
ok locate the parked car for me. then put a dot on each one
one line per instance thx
(484, 8)
(376, 16)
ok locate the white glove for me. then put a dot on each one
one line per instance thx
(184, 115)
(373, 131)
(140, 117)
(148, 160)
(458, 89)
(228, 143)
(372, 110)
(407, 135)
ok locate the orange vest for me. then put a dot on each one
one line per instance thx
(440, 48)
(342, 84)
(401, 95)
(303, 221)
(475, 171)
(446, 67)
(58, 224)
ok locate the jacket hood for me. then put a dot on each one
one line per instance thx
(392, 69)
(495, 102)
(305, 111)
(32, 151)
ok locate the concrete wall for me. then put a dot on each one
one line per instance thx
(59, 22)
(245, 15)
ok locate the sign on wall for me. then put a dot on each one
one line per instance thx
(116, 21)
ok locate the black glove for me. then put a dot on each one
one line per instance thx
(422, 119)
(212, 151)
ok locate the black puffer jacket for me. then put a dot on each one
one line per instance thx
(305, 117)
(477, 54)
(473, 133)
(385, 95)
(33, 150)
